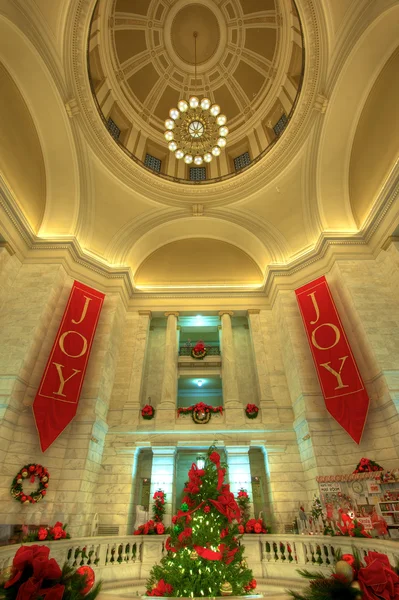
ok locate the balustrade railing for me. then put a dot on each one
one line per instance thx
(130, 558)
(210, 351)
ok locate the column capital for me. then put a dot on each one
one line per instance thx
(253, 311)
(145, 313)
(172, 313)
(226, 312)
(237, 449)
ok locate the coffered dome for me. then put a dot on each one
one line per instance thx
(249, 61)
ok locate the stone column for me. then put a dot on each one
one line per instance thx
(229, 376)
(267, 403)
(163, 477)
(240, 471)
(167, 405)
(131, 409)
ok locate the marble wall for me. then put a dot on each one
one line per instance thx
(95, 464)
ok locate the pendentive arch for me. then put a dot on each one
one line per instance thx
(35, 83)
(346, 103)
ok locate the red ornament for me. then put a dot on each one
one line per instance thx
(87, 572)
(32, 468)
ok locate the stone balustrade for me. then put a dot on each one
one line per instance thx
(126, 561)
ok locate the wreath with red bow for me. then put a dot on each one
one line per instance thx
(30, 471)
(199, 350)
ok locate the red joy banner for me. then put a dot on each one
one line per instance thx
(56, 401)
(344, 393)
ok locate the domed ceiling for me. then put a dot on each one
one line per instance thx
(249, 61)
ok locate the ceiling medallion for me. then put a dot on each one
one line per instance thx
(195, 130)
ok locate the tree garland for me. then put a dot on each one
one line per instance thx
(31, 471)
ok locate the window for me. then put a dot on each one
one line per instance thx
(242, 161)
(197, 173)
(280, 125)
(153, 163)
(113, 129)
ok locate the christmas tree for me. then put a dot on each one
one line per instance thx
(204, 556)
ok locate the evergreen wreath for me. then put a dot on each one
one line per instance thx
(30, 471)
(251, 411)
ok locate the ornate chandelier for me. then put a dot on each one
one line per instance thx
(196, 130)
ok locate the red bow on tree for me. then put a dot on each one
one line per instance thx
(162, 589)
(227, 505)
(37, 558)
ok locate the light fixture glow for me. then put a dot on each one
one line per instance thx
(174, 114)
(198, 127)
(200, 462)
(199, 382)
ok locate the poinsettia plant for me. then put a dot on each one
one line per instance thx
(253, 526)
(57, 532)
(243, 502)
(366, 466)
(150, 528)
(148, 412)
(251, 411)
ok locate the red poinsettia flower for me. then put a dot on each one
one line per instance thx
(42, 533)
(162, 589)
(160, 528)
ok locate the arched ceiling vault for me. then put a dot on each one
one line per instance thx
(348, 98)
(51, 121)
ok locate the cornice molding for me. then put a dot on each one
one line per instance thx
(330, 246)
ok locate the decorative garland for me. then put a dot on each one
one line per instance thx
(200, 412)
(148, 412)
(199, 351)
(366, 466)
(31, 470)
(242, 500)
(251, 411)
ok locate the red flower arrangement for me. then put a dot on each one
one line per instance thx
(154, 526)
(255, 526)
(158, 508)
(30, 471)
(251, 411)
(200, 412)
(150, 528)
(57, 532)
(366, 466)
(161, 589)
(199, 351)
(35, 575)
(244, 504)
(148, 412)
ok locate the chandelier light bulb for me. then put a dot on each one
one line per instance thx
(172, 146)
(223, 131)
(208, 157)
(221, 119)
(188, 159)
(193, 102)
(174, 114)
(169, 124)
(182, 105)
(198, 160)
(168, 135)
(214, 110)
(222, 142)
(216, 151)
(205, 103)
(179, 154)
